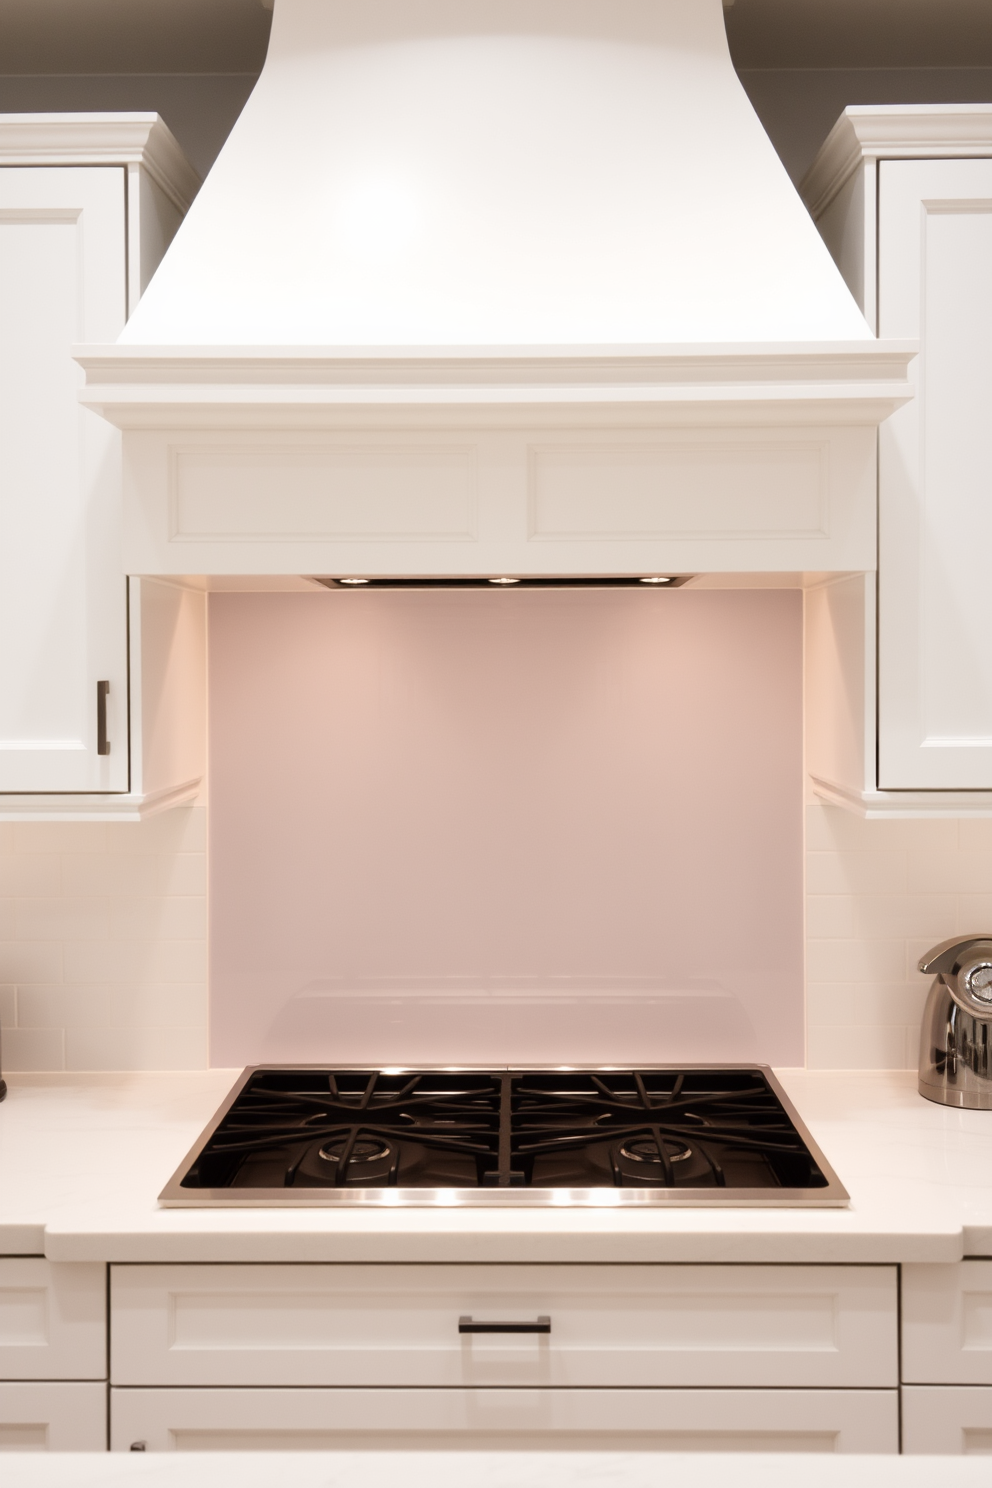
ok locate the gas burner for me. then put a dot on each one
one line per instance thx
(646, 1151)
(361, 1152)
(705, 1134)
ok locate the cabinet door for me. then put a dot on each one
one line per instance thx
(53, 1418)
(492, 1420)
(947, 1324)
(63, 625)
(401, 1325)
(947, 1420)
(935, 479)
(53, 1319)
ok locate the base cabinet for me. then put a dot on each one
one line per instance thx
(650, 1357)
(741, 1358)
(507, 1419)
(53, 1417)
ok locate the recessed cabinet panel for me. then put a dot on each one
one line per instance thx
(349, 492)
(401, 1325)
(935, 478)
(947, 1324)
(53, 1320)
(53, 1418)
(493, 1420)
(62, 586)
(579, 492)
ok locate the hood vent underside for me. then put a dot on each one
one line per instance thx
(504, 581)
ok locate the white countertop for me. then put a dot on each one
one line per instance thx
(483, 1470)
(83, 1158)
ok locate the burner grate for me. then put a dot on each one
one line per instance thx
(504, 1132)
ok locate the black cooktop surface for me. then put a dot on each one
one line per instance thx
(315, 1135)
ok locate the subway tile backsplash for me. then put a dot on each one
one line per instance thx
(878, 895)
(103, 937)
(103, 943)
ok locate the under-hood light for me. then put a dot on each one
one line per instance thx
(504, 581)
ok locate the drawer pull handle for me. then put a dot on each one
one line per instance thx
(469, 1325)
(102, 742)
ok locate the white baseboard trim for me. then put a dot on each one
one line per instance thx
(882, 805)
(95, 807)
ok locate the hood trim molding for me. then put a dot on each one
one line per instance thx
(857, 383)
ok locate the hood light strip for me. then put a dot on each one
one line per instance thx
(505, 581)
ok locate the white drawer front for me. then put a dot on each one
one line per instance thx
(53, 1320)
(645, 1420)
(399, 1325)
(947, 1324)
(53, 1418)
(951, 1420)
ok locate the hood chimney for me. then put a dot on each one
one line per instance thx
(492, 173)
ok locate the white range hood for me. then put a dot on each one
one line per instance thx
(497, 287)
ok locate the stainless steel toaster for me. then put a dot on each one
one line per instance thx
(956, 1037)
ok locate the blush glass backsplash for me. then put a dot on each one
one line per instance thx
(506, 827)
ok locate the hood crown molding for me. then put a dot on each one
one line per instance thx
(274, 388)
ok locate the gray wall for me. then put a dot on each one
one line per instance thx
(200, 108)
(797, 106)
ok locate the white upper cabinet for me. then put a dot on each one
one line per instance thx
(900, 676)
(88, 205)
(62, 587)
(935, 491)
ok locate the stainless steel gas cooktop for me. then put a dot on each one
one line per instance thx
(693, 1134)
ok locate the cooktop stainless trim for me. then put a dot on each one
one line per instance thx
(833, 1196)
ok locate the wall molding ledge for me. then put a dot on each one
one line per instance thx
(883, 805)
(93, 807)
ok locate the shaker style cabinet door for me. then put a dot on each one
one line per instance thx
(53, 1418)
(935, 478)
(53, 1319)
(947, 1324)
(183, 1420)
(616, 1326)
(947, 1420)
(63, 602)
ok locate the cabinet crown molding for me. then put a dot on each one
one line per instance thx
(931, 131)
(101, 139)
